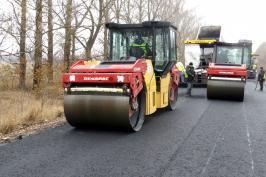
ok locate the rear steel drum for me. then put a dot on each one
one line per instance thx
(218, 89)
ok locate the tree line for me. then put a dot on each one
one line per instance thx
(68, 29)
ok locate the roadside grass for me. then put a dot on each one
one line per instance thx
(22, 109)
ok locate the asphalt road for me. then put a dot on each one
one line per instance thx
(202, 138)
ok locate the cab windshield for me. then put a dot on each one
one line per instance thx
(231, 55)
(199, 55)
(156, 44)
(131, 44)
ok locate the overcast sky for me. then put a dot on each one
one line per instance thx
(240, 19)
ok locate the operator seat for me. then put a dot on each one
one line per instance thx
(136, 52)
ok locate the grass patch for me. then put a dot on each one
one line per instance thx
(20, 109)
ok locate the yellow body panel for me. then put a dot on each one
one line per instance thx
(162, 96)
(155, 99)
(92, 62)
(150, 83)
(199, 41)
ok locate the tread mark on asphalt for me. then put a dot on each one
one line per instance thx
(218, 137)
(249, 139)
(163, 170)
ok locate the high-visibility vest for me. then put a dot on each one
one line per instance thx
(254, 67)
(142, 46)
(181, 68)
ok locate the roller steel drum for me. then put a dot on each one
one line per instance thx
(111, 111)
(218, 89)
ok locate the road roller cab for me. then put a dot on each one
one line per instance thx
(227, 74)
(138, 77)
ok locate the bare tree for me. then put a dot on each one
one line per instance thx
(10, 28)
(73, 44)
(106, 20)
(37, 75)
(50, 41)
(22, 56)
(96, 26)
(127, 14)
(187, 28)
(261, 51)
(140, 9)
(153, 9)
(68, 31)
(80, 16)
(116, 8)
(80, 25)
(174, 11)
(3, 34)
(96, 16)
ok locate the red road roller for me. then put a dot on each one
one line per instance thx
(228, 72)
(138, 78)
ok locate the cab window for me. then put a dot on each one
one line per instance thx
(246, 57)
(162, 49)
(173, 45)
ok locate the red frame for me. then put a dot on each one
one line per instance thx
(80, 67)
(132, 74)
(228, 71)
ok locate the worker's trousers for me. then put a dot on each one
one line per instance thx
(261, 85)
(189, 88)
(182, 76)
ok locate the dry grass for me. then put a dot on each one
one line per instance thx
(22, 109)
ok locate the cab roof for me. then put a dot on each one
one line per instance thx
(210, 43)
(146, 24)
(239, 44)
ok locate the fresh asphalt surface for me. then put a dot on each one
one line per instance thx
(201, 138)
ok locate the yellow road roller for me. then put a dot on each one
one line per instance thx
(139, 77)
